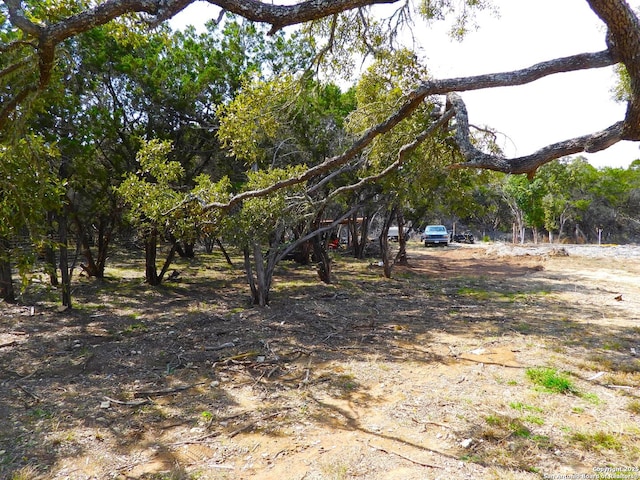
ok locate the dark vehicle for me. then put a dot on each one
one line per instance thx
(435, 235)
(466, 237)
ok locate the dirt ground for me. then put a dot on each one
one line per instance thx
(422, 376)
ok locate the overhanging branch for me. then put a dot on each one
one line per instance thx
(280, 16)
(530, 163)
(583, 61)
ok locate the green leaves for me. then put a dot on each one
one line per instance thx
(28, 185)
(460, 12)
(252, 119)
(157, 199)
(152, 158)
(149, 193)
(29, 189)
(260, 218)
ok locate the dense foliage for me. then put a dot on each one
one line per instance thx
(178, 139)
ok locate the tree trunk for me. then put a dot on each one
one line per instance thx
(401, 256)
(261, 296)
(104, 239)
(185, 249)
(322, 258)
(167, 263)
(152, 277)
(150, 255)
(384, 249)
(359, 234)
(51, 263)
(259, 283)
(224, 252)
(354, 238)
(320, 253)
(249, 272)
(208, 243)
(384, 242)
(90, 268)
(64, 261)
(95, 265)
(6, 283)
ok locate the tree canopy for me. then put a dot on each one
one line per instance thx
(33, 31)
(235, 134)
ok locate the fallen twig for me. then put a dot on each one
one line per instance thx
(195, 440)
(242, 429)
(165, 391)
(254, 423)
(130, 403)
(421, 422)
(31, 394)
(220, 347)
(484, 362)
(240, 356)
(391, 452)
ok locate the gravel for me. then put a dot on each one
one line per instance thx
(617, 251)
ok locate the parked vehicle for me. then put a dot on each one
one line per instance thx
(466, 237)
(435, 235)
(394, 235)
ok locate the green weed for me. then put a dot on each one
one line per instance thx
(134, 328)
(512, 425)
(39, 414)
(590, 397)
(524, 407)
(533, 419)
(551, 380)
(346, 383)
(25, 473)
(596, 441)
(475, 293)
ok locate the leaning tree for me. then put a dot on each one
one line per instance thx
(32, 32)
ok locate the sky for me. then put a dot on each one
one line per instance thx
(526, 32)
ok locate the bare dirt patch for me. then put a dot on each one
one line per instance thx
(420, 376)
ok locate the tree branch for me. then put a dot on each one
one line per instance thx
(435, 87)
(280, 16)
(402, 154)
(623, 40)
(583, 61)
(334, 162)
(527, 164)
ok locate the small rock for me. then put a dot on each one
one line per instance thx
(466, 442)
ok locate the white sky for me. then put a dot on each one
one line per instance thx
(527, 32)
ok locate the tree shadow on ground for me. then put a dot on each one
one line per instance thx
(179, 358)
